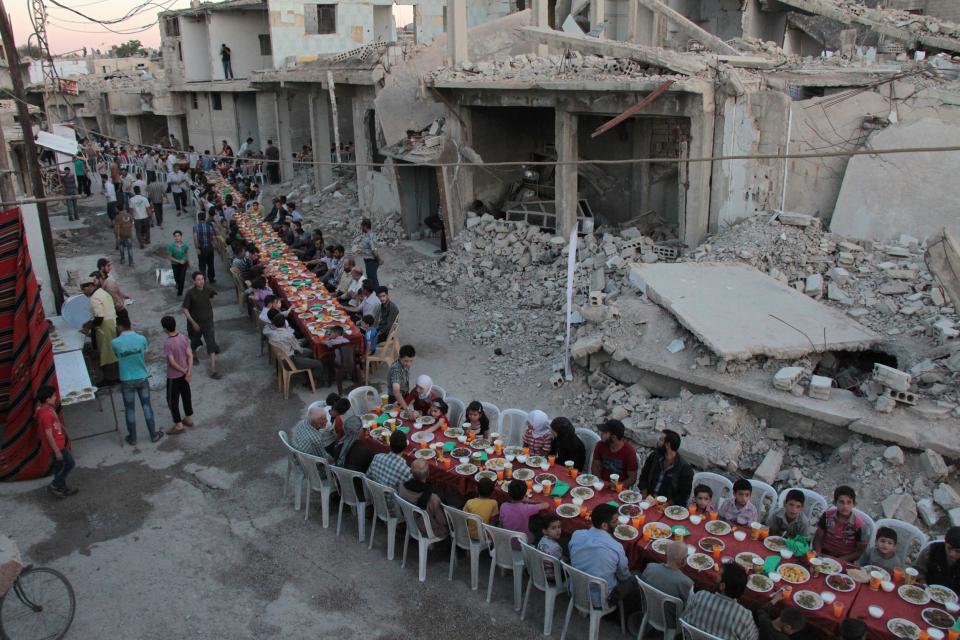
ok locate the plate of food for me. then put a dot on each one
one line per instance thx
(760, 583)
(535, 461)
(941, 594)
(425, 454)
(809, 600)
(717, 527)
(625, 532)
(89, 389)
(523, 474)
(913, 594)
(938, 618)
(745, 559)
(676, 512)
(903, 628)
(829, 566)
(568, 511)
(699, 561)
(584, 493)
(708, 544)
(629, 510)
(497, 464)
(380, 432)
(425, 421)
(657, 530)
(423, 436)
(841, 582)
(481, 443)
(541, 478)
(630, 496)
(870, 568)
(513, 451)
(660, 545)
(466, 469)
(793, 573)
(587, 479)
(486, 473)
(461, 452)
(775, 543)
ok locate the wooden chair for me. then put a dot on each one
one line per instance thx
(346, 354)
(386, 353)
(286, 370)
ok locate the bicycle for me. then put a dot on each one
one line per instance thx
(39, 605)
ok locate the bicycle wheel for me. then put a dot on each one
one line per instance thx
(40, 606)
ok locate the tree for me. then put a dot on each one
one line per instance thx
(129, 48)
(31, 50)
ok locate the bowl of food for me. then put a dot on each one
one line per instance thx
(887, 586)
(875, 611)
(740, 535)
(827, 597)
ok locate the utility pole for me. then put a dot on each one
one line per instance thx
(33, 161)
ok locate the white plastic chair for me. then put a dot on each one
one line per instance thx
(380, 495)
(512, 424)
(441, 391)
(319, 479)
(503, 555)
(456, 411)
(763, 497)
(590, 438)
(582, 586)
(460, 531)
(363, 400)
(814, 504)
(870, 526)
(293, 466)
(657, 613)
(414, 516)
(721, 485)
(910, 540)
(690, 632)
(493, 414)
(346, 479)
(536, 562)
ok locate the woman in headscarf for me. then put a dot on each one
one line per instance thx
(566, 445)
(422, 396)
(538, 437)
(355, 454)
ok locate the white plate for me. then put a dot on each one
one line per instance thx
(803, 571)
(660, 545)
(922, 596)
(625, 532)
(584, 493)
(901, 628)
(568, 511)
(630, 496)
(425, 454)
(700, 561)
(523, 474)
(775, 543)
(466, 469)
(422, 436)
(676, 512)
(760, 583)
(586, 479)
(829, 566)
(807, 595)
(717, 528)
(884, 575)
(941, 594)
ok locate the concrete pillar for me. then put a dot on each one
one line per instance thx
(597, 13)
(640, 172)
(175, 126)
(134, 134)
(282, 107)
(320, 137)
(362, 151)
(541, 19)
(457, 31)
(565, 126)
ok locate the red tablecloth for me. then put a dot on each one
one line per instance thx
(893, 607)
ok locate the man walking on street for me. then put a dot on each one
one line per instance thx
(176, 349)
(203, 242)
(110, 193)
(140, 207)
(176, 179)
(109, 284)
(130, 348)
(54, 441)
(69, 182)
(198, 308)
(157, 194)
(272, 155)
(123, 232)
(225, 59)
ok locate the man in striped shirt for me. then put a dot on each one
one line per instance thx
(719, 613)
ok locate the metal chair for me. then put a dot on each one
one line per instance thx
(536, 562)
(511, 426)
(414, 517)
(814, 504)
(456, 412)
(493, 414)
(588, 595)
(910, 539)
(660, 611)
(363, 399)
(504, 555)
(382, 497)
(690, 632)
(292, 464)
(590, 438)
(460, 532)
(346, 480)
(763, 497)
(318, 479)
(721, 486)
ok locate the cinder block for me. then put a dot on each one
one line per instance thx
(892, 378)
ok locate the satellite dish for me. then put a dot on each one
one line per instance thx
(76, 310)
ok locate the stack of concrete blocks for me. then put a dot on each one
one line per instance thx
(820, 387)
(896, 388)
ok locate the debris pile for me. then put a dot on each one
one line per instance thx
(572, 65)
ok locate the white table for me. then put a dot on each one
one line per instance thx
(72, 374)
(73, 340)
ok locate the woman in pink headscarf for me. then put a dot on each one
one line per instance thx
(538, 436)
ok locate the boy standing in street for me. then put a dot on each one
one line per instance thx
(131, 347)
(123, 232)
(54, 440)
(179, 357)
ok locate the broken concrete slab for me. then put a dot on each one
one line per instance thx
(946, 496)
(933, 465)
(739, 312)
(770, 466)
(689, 27)
(943, 258)
(900, 506)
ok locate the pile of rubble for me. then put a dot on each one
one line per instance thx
(572, 65)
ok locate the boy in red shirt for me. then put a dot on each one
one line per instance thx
(54, 440)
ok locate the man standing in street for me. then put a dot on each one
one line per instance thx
(69, 182)
(370, 252)
(176, 179)
(130, 348)
(157, 194)
(198, 308)
(103, 323)
(176, 349)
(123, 232)
(110, 193)
(272, 155)
(116, 177)
(225, 59)
(203, 242)
(83, 180)
(111, 286)
(54, 441)
(140, 207)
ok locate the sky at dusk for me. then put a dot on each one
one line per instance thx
(68, 31)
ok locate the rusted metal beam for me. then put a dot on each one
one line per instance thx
(640, 106)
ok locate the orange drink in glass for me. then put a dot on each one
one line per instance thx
(716, 554)
(897, 574)
(530, 485)
(692, 509)
(618, 487)
(646, 535)
(953, 635)
(641, 518)
(636, 522)
(552, 459)
(713, 515)
(573, 472)
(838, 609)
(787, 592)
(500, 474)
(508, 471)
(556, 501)
(526, 451)
(875, 579)
(583, 510)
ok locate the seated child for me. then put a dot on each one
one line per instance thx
(438, 411)
(740, 510)
(515, 515)
(484, 506)
(702, 499)
(840, 531)
(789, 520)
(883, 553)
(546, 534)
(368, 326)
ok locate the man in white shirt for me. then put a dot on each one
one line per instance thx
(177, 179)
(110, 193)
(171, 160)
(140, 210)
